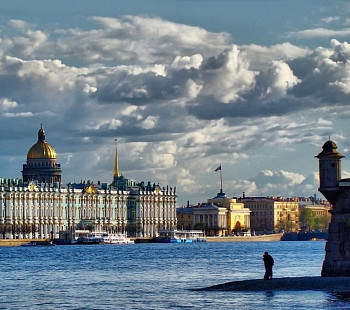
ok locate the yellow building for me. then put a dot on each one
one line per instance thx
(238, 216)
(219, 216)
(270, 214)
(206, 216)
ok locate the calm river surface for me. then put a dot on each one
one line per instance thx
(157, 276)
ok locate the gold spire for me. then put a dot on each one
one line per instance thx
(116, 165)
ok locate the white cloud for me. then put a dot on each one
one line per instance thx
(330, 19)
(227, 75)
(276, 183)
(7, 104)
(130, 39)
(187, 62)
(149, 122)
(320, 33)
(278, 79)
(179, 99)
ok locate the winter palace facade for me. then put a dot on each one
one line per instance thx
(40, 206)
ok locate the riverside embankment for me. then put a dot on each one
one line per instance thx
(18, 242)
(262, 238)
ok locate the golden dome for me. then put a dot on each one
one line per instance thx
(41, 149)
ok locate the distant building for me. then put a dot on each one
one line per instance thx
(318, 217)
(41, 206)
(207, 217)
(319, 210)
(184, 217)
(238, 215)
(219, 216)
(270, 214)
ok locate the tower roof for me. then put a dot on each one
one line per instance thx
(329, 149)
(41, 149)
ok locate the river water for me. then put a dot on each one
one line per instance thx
(157, 276)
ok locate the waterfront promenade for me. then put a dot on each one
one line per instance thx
(262, 238)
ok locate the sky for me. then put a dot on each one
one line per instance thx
(184, 85)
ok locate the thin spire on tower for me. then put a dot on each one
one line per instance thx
(116, 165)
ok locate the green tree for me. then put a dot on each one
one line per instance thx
(307, 219)
(324, 222)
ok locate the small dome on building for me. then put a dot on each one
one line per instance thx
(329, 145)
(329, 149)
(41, 149)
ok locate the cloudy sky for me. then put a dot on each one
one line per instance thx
(185, 85)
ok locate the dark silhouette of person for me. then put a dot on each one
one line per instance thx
(268, 262)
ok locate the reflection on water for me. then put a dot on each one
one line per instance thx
(157, 276)
(339, 300)
(269, 294)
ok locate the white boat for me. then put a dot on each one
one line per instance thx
(117, 239)
(180, 236)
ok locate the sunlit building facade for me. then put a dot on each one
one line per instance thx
(270, 214)
(40, 206)
(221, 215)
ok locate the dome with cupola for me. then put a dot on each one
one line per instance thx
(41, 163)
(41, 149)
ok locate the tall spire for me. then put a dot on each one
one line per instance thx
(116, 165)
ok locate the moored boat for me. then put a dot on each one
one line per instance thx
(38, 243)
(180, 236)
(117, 239)
(95, 237)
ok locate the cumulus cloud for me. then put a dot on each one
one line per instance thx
(126, 40)
(179, 98)
(277, 183)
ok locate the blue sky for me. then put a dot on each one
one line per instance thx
(183, 85)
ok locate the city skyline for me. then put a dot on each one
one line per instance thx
(185, 86)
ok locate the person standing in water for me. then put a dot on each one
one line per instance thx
(268, 262)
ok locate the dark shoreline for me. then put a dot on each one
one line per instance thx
(332, 284)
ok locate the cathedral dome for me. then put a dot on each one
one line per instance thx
(41, 149)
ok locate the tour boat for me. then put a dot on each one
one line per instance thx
(117, 239)
(95, 237)
(180, 236)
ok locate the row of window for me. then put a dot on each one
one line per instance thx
(45, 164)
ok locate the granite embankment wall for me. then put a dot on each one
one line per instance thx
(305, 236)
(272, 237)
(17, 242)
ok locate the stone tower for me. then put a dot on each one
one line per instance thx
(337, 192)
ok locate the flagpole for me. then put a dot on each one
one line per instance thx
(220, 178)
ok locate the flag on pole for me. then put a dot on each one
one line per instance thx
(218, 168)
